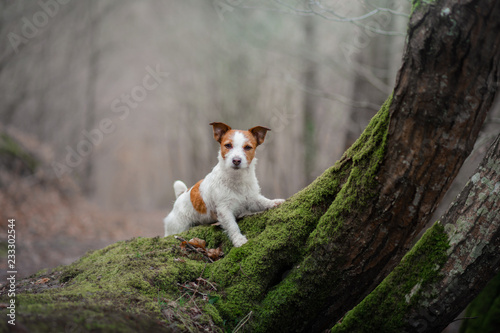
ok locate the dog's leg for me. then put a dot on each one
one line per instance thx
(228, 222)
(262, 203)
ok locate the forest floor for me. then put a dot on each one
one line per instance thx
(54, 223)
(54, 228)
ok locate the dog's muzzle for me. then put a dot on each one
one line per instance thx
(236, 162)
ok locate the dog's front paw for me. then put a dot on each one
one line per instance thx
(277, 202)
(239, 240)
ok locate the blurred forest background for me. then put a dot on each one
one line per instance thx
(113, 99)
(305, 77)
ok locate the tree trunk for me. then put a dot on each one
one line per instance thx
(310, 102)
(92, 77)
(371, 76)
(447, 268)
(337, 239)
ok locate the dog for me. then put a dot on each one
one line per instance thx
(230, 191)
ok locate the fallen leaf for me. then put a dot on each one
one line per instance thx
(197, 242)
(42, 281)
(215, 254)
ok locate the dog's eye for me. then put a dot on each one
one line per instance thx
(228, 145)
(248, 148)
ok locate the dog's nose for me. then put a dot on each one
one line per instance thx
(236, 161)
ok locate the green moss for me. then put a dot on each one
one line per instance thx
(210, 310)
(407, 284)
(356, 186)
(12, 150)
(485, 310)
(416, 4)
(114, 289)
(4, 246)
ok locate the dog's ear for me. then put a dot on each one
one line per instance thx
(219, 130)
(259, 133)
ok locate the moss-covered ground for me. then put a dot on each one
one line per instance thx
(140, 285)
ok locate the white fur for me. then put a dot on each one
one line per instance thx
(227, 191)
(237, 152)
(179, 188)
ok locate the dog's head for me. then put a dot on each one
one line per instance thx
(237, 148)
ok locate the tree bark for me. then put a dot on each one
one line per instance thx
(336, 240)
(447, 268)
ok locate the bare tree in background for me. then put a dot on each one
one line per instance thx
(371, 74)
(310, 101)
(92, 78)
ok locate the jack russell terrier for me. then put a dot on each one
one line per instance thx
(230, 191)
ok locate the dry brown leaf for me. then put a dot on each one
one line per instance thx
(197, 242)
(215, 254)
(42, 281)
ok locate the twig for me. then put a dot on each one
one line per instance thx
(185, 324)
(243, 322)
(181, 295)
(191, 289)
(206, 281)
(187, 243)
(314, 7)
(191, 247)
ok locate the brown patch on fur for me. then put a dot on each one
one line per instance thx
(197, 200)
(226, 139)
(219, 130)
(252, 143)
